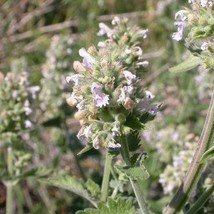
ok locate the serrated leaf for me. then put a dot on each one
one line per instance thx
(187, 65)
(69, 183)
(92, 187)
(112, 206)
(133, 140)
(134, 123)
(146, 117)
(208, 155)
(39, 172)
(136, 172)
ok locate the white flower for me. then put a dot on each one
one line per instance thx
(116, 20)
(181, 15)
(95, 143)
(129, 77)
(100, 99)
(178, 35)
(28, 124)
(149, 95)
(144, 33)
(33, 90)
(206, 3)
(125, 93)
(143, 63)
(104, 29)
(144, 104)
(87, 58)
(74, 78)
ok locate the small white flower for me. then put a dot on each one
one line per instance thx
(144, 33)
(104, 29)
(206, 3)
(74, 78)
(95, 143)
(113, 145)
(88, 60)
(129, 77)
(116, 20)
(181, 15)
(100, 99)
(143, 64)
(178, 35)
(28, 124)
(149, 95)
(33, 90)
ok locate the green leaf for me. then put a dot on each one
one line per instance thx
(37, 172)
(92, 187)
(85, 149)
(69, 183)
(112, 206)
(136, 172)
(208, 155)
(187, 65)
(134, 123)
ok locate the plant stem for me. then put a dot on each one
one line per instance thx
(9, 202)
(135, 185)
(201, 201)
(195, 168)
(106, 176)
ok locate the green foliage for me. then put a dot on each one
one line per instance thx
(187, 65)
(72, 184)
(112, 206)
(208, 155)
(136, 172)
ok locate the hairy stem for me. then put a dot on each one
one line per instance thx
(106, 177)
(9, 187)
(195, 169)
(135, 185)
(201, 201)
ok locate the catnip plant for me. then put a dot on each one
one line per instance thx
(195, 26)
(16, 97)
(112, 104)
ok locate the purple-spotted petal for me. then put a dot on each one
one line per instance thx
(100, 99)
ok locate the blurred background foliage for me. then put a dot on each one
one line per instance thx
(27, 31)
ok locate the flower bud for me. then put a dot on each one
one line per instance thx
(71, 101)
(80, 115)
(129, 103)
(78, 67)
(91, 50)
(91, 117)
(120, 118)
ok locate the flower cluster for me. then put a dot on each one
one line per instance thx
(58, 63)
(173, 174)
(107, 90)
(197, 23)
(16, 95)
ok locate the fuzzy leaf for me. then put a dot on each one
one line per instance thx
(134, 123)
(136, 172)
(187, 65)
(92, 187)
(112, 207)
(208, 155)
(69, 183)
